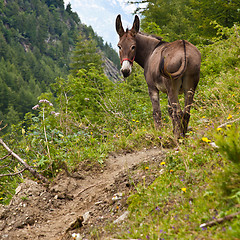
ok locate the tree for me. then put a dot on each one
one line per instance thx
(189, 19)
(225, 13)
(69, 8)
(171, 16)
(12, 116)
(84, 54)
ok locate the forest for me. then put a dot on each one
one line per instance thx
(36, 39)
(61, 109)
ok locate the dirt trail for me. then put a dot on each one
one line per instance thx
(82, 204)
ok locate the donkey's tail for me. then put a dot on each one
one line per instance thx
(180, 71)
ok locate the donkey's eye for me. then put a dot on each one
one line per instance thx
(119, 47)
(133, 47)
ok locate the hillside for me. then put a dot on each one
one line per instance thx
(87, 159)
(36, 41)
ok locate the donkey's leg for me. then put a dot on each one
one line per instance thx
(174, 108)
(186, 113)
(154, 96)
(189, 85)
(176, 114)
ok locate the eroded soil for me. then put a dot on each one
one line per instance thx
(83, 203)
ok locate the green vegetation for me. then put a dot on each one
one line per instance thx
(200, 181)
(189, 19)
(36, 39)
(84, 116)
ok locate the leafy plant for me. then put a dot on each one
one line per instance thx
(229, 145)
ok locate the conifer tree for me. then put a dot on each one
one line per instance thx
(85, 54)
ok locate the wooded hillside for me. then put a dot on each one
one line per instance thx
(36, 40)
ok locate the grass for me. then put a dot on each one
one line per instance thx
(200, 182)
(187, 194)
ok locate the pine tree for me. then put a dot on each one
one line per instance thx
(85, 53)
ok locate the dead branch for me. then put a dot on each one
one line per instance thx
(219, 220)
(3, 126)
(29, 168)
(13, 174)
(224, 124)
(5, 157)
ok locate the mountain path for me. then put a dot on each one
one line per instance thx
(84, 204)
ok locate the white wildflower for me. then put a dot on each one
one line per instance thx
(35, 107)
(45, 101)
(76, 236)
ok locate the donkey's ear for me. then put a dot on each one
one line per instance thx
(136, 25)
(119, 27)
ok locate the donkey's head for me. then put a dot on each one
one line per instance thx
(127, 45)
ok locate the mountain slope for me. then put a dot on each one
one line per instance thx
(36, 40)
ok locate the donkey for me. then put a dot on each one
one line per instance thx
(172, 68)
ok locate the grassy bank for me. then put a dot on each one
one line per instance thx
(200, 180)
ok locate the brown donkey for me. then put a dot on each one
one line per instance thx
(172, 68)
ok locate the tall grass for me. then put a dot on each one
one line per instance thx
(201, 177)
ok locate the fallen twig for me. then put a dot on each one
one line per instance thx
(224, 124)
(5, 157)
(12, 174)
(29, 168)
(219, 220)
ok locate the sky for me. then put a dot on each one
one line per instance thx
(101, 15)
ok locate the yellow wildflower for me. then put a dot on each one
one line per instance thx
(162, 163)
(23, 131)
(229, 117)
(204, 139)
(229, 125)
(184, 189)
(146, 168)
(219, 129)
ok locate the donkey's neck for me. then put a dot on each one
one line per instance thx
(145, 46)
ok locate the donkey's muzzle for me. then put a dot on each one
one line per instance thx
(126, 68)
(126, 72)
